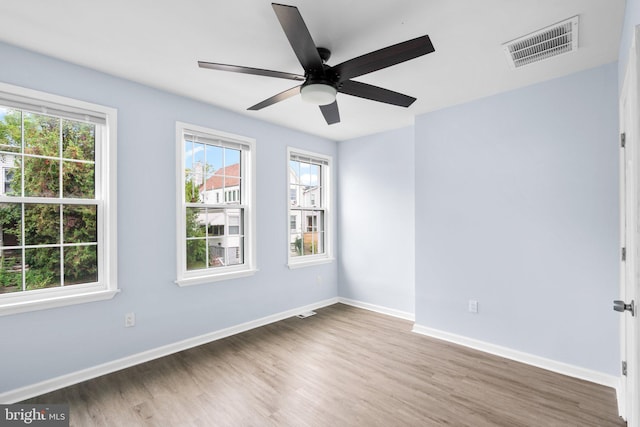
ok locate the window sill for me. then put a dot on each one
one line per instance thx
(31, 304)
(199, 280)
(293, 265)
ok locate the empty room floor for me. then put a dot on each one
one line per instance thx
(342, 367)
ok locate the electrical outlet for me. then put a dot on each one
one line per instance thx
(319, 280)
(129, 320)
(473, 306)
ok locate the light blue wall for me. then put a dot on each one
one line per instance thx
(41, 345)
(631, 19)
(376, 207)
(517, 207)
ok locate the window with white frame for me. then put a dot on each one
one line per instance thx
(215, 205)
(308, 211)
(57, 201)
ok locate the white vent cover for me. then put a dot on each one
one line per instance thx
(543, 44)
(306, 314)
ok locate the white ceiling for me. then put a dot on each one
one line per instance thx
(157, 42)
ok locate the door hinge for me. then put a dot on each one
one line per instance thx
(623, 254)
(624, 368)
(623, 139)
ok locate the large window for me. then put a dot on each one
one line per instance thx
(57, 201)
(215, 205)
(309, 196)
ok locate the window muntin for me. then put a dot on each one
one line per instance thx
(215, 235)
(308, 206)
(57, 222)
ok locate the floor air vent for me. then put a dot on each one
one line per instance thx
(306, 314)
(543, 44)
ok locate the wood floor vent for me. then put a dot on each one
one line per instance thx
(306, 314)
(546, 43)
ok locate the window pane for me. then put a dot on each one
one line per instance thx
(10, 270)
(80, 264)
(310, 221)
(10, 130)
(310, 196)
(311, 243)
(296, 244)
(213, 239)
(215, 183)
(11, 181)
(294, 172)
(314, 178)
(196, 222)
(313, 234)
(232, 189)
(80, 224)
(191, 189)
(78, 180)
(305, 173)
(232, 162)
(215, 222)
(42, 268)
(306, 204)
(198, 163)
(214, 159)
(217, 252)
(41, 135)
(11, 223)
(296, 219)
(235, 251)
(234, 221)
(78, 140)
(188, 156)
(41, 224)
(294, 197)
(41, 177)
(45, 159)
(196, 254)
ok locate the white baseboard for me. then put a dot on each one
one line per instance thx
(622, 401)
(52, 384)
(519, 356)
(378, 309)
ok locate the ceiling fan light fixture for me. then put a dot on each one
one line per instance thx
(318, 93)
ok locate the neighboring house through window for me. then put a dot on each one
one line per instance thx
(57, 201)
(308, 211)
(215, 207)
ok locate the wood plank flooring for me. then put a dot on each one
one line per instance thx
(342, 367)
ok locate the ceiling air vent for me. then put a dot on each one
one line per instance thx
(543, 44)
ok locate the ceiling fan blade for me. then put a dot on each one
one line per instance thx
(299, 37)
(331, 113)
(276, 98)
(384, 58)
(375, 93)
(249, 70)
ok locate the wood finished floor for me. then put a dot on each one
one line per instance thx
(343, 367)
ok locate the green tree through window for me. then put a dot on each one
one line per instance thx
(48, 210)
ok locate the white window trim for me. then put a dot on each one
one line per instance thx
(197, 277)
(106, 167)
(326, 195)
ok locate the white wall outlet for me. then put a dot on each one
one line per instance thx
(319, 280)
(473, 306)
(129, 320)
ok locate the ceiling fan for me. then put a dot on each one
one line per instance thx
(321, 82)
